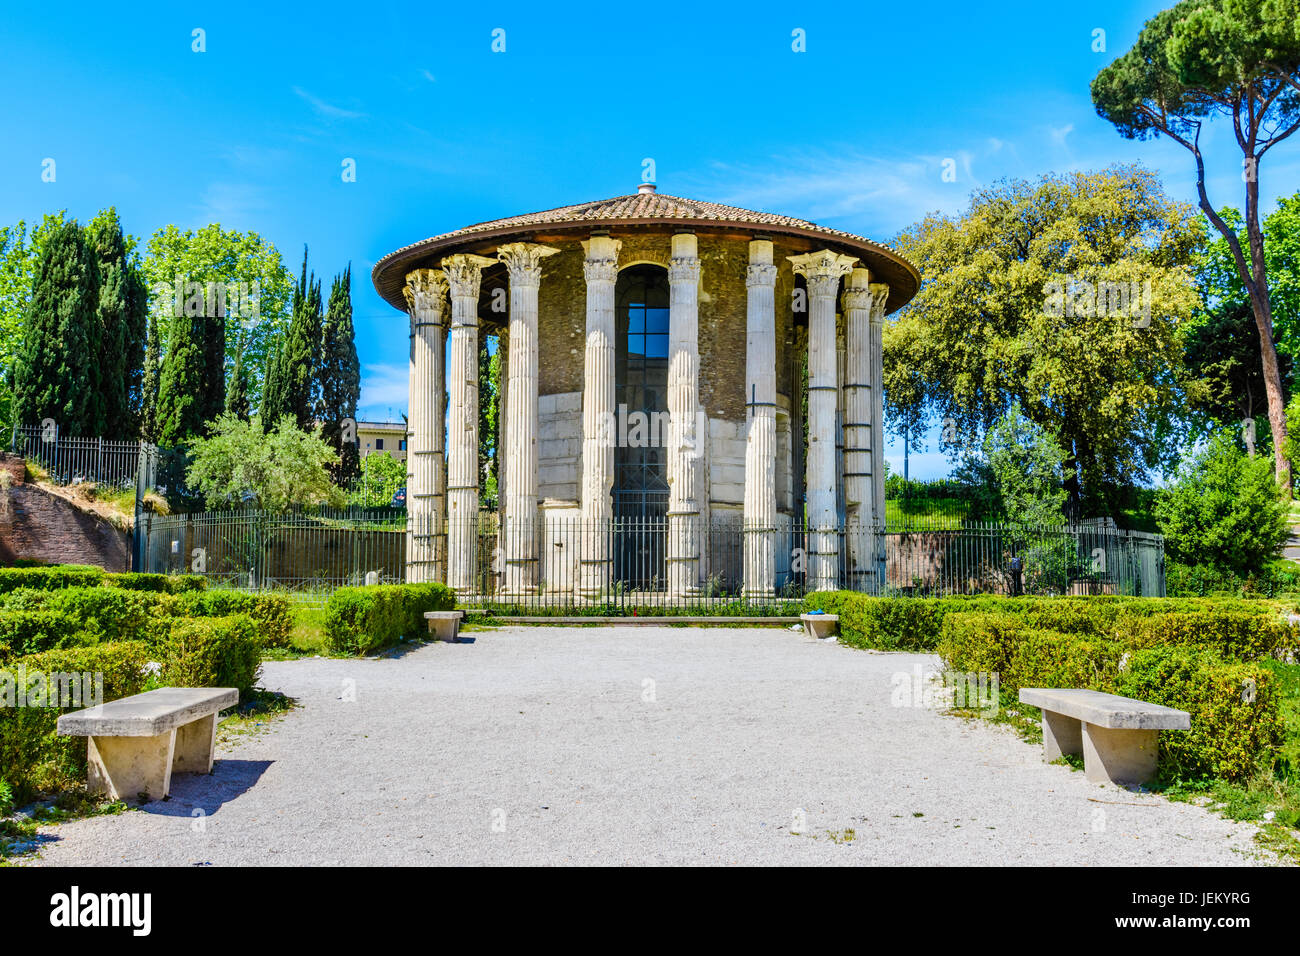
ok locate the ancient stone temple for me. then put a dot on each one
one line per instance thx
(689, 400)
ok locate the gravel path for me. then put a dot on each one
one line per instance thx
(636, 746)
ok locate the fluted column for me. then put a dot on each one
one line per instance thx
(426, 296)
(463, 274)
(519, 531)
(823, 271)
(879, 296)
(760, 442)
(686, 436)
(860, 385)
(600, 268)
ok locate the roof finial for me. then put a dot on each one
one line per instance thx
(646, 188)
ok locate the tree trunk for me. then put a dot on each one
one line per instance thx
(1260, 305)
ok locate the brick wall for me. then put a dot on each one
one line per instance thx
(38, 525)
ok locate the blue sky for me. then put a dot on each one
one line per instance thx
(852, 133)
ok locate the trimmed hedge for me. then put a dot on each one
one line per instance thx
(30, 632)
(894, 623)
(1236, 722)
(212, 652)
(365, 619)
(50, 578)
(162, 583)
(35, 759)
(271, 612)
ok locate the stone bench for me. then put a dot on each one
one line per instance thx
(1116, 736)
(136, 743)
(820, 626)
(444, 625)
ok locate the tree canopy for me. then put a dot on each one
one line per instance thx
(1237, 60)
(1063, 296)
(273, 470)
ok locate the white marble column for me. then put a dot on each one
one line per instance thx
(600, 268)
(464, 272)
(686, 435)
(823, 271)
(519, 527)
(879, 297)
(860, 451)
(760, 442)
(426, 295)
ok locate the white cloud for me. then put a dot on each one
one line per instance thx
(326, 109)
(383, 391)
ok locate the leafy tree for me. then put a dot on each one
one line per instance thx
(272, 471)
(1237, 59)
(381, 477)
(1017, 305)
(1222, 342)
(340, 376)
(215, 255)
(1028, 469)
(55, 369)
(1224, 510)
(123, 316)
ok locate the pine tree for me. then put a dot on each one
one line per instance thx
(123, 318)
(55, 369)
(339, 376)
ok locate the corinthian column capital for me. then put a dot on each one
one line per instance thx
(760, 274)
(426, 289)
(823, 270)
(879, 296)
(524, 261)
(601, 262)
(464, 272)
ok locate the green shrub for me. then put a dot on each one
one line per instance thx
(1040, 658)
(160, 583)
(35, 759)
(109, 614)
(30, 632)
(1236, 724)
(365, 619)
(50, 578)
(271, 611)
(1236, 634)
(212, 652)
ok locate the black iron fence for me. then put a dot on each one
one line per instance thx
(626, 565)
(72, 460)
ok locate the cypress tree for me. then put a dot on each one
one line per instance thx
(149, 383)
(123, 310)
(299, 358)
(340, 376)
(181, 403)
(55, 368)
(213, 401)
(236, 402)
(274, 405)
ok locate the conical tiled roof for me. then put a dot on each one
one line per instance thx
(643, 208)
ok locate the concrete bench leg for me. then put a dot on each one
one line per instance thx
(126, 767)
(1119, 756)
(444, 629)
(1061, 736)
(195, 743)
